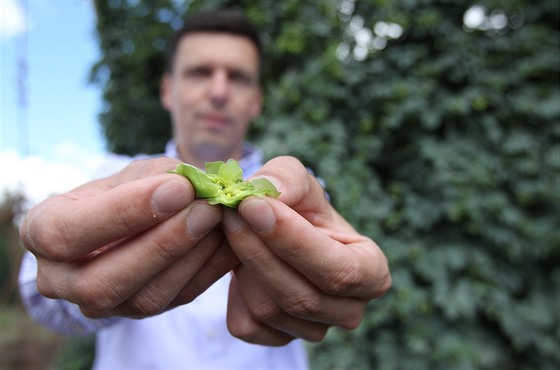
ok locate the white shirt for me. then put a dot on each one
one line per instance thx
(193, 336)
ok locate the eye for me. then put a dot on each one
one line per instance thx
(197, 72)
(241, 78)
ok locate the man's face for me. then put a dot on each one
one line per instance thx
(212, 94)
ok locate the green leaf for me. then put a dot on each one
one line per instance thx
(212, 168)
(203, 185)
(230, 171)
(265, 187)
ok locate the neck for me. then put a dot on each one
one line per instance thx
(199, 157)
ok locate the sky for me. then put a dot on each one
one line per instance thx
(49, 128)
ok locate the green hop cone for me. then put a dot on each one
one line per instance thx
(223, 183)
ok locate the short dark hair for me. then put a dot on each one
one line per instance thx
(220, 20)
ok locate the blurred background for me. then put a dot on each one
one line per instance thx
(435, 124)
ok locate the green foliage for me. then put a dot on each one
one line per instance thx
(448, 137)
(5, 267)
(77, 353)
(133, 39)
(10, 252)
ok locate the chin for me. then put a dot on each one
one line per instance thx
(210, 152)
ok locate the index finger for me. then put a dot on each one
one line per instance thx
(71, 225)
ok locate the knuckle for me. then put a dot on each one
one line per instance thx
(347, 278)
(165, 250)
(242, 329)
(143, 305)
(248, 332)
(351, 322)
(46, 238)
(45, 288)
(120, 216)
(304, 306)
(383, 281)
(386, 285)
(265, 312)
(255, 258)
(94, 294)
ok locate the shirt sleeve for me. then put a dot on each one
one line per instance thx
(58, 315)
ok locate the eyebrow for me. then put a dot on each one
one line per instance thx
(234, 71)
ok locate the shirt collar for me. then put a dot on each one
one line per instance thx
(249, 163)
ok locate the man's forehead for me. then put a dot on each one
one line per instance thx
(223, 46)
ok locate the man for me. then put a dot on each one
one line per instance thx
(169, 281)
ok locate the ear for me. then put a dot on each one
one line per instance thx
(165, 91)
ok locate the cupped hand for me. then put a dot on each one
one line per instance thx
(303, 267)
(133, 244)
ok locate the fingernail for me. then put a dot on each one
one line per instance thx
(171, 197)
(232, 222)
(259, 215)
(277, 184)
(201, 218)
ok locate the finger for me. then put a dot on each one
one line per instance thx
(157, 295)
(287, 287)
(339, 263)
(222, 261)
(242, 325)
(261, 307)
(67, 227)
(109, 278)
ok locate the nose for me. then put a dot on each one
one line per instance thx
(219, 88)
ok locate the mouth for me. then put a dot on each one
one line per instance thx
(215, 121)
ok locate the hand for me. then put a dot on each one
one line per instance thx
(133, 244)
(303, 267)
